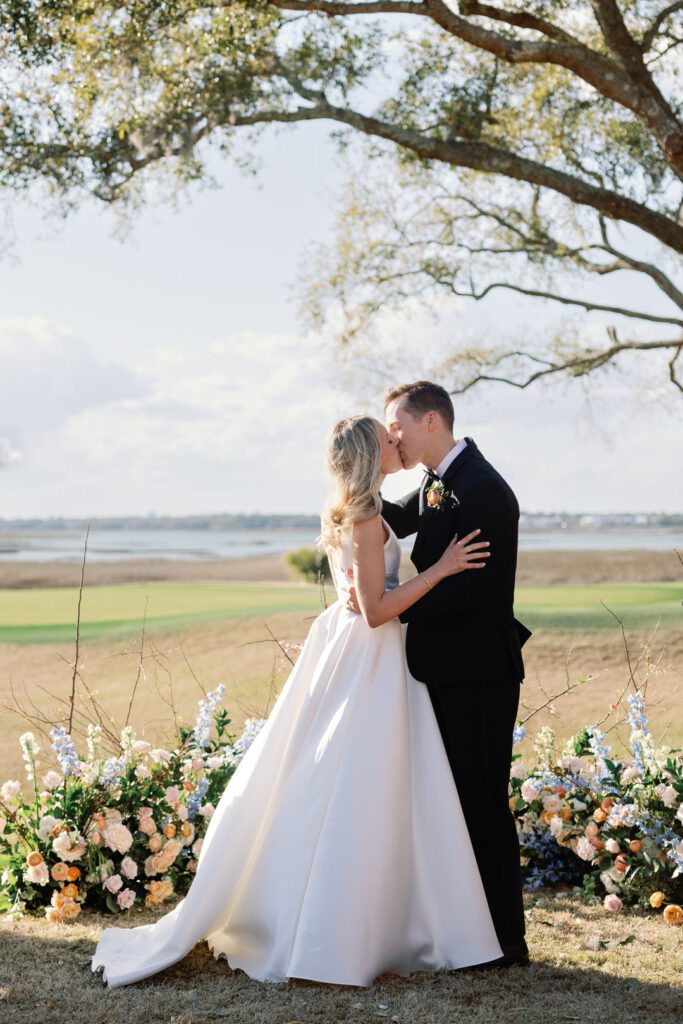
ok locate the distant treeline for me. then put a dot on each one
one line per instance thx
(257, 521)
(254, 521)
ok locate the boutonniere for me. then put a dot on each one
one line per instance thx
(438, 497)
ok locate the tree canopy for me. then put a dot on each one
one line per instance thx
(500, 143)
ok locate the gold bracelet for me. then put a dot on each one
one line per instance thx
(429, 586)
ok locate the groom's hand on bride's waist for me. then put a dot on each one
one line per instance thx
(352, 601)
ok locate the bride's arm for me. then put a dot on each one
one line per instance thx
(378, 606)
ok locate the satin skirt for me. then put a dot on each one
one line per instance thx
(338, 850)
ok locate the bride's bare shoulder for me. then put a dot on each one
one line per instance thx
(369, 532)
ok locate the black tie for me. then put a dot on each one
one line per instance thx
(431, 475)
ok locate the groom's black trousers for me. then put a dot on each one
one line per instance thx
(476, 724)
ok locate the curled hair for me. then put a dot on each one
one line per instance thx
(354, 457)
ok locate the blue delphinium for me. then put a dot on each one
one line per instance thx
(640, 739)
(202, 725)
(64, 747)
(252, 728)
(194, 800)
(518, 734)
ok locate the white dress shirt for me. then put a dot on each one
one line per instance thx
(450, 456)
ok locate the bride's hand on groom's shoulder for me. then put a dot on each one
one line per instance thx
(467, 553)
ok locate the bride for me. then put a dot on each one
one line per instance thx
(338, 850)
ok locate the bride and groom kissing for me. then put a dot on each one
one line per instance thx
(367, 829)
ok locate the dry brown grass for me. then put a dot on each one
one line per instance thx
(241, 654)
(45, 977)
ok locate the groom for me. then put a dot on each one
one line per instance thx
(462, 640)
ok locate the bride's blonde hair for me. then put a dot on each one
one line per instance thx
(354, 458)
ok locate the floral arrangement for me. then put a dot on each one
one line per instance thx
(614, 827)
(113, 831)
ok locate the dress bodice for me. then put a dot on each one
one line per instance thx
(342, 566)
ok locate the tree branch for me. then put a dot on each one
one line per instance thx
(578, 366)
(650, 33)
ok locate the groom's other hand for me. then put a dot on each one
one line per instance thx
(352, 601)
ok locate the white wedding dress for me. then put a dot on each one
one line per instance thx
(338, 850)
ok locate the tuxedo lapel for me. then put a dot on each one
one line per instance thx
(428, 514)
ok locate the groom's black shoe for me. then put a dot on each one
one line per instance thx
(513, 953)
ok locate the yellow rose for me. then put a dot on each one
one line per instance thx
(656, 899)
(673, 914)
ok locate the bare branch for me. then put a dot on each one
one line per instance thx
(577, 366)
(650, 33)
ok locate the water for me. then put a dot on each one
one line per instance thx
(196, 545)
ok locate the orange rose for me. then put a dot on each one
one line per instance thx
(547, 816)
(599, 816)
(74, 873)
(433, 497)
(635, 846)
(34, 858)
(565, 813)
(170, 831)
(597, 843)
(607, 804)
(70, 891)
(656, 899)
(673, 914)
(59, 871)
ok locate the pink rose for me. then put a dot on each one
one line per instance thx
(612, 902)
(612, 846)
(129, 868)
(529, 791)
(172, 795)
(126, 898)
(113, 883)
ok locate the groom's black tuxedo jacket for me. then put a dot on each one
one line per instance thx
(463, 631)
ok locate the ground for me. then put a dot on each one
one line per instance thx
(45, 978)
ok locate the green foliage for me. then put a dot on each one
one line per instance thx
(309, 563)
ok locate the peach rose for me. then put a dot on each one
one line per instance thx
(673, 914)
(620, 862)
(34, 858)
(599, 815)
(170, 830)
(635, 846)
(433, 497)
(147, 825)
(53, 915)
(188, 785)
(57, 899)
(154, 843)
(70, 910)
(70, 891)
(656, 899)
(607, 804)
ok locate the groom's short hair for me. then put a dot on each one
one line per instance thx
(422, 396)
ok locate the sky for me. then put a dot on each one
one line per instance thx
(166, 370)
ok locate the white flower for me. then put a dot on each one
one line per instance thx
(69, 845)
(679, 813)
(551, 802)
(214, 763)
(206, 811)
(142, 772)
(611, 880)
(160, 756)
(10, 789)
(572, 764)
(670, 796)
(197, 846)
(630, 774)
(556, 825)
(518, 770)
(585, 849)
(579, 805)
(51, 780)
(38, 875)
(117, 837)
(142, 746)
(45, 826)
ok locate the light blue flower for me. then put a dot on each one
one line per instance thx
(203, 722)
(64, 747)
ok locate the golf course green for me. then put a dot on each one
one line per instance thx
(49, 614)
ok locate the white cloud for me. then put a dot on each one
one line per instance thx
(8, 454)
